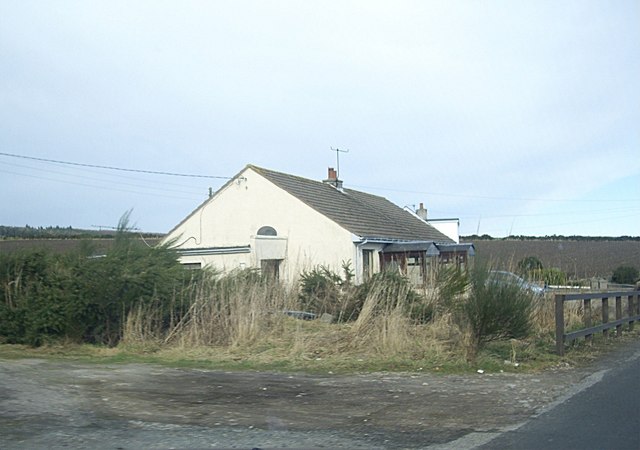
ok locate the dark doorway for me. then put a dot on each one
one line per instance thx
(270, 268)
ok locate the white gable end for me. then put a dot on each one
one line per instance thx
(231, 220)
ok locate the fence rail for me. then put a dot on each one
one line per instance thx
(632, 315)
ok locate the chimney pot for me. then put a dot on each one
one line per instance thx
(332, 179)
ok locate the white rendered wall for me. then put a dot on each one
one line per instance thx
(232, 217)
(449, 228)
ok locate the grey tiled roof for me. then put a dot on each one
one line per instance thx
(366, 215)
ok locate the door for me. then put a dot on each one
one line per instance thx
(270, 268)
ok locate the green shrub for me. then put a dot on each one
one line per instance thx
(325, 291)
(451, 283)
(86, 299)
(495, 310)
(555, 277)
(529, 264)
(321, 290)
(35, 306)
(625, 275)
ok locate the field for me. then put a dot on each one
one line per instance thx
(60, 245)
(579, 259)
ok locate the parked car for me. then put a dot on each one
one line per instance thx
(504, 277)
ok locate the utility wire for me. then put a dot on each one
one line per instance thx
(145, 184)
(443, 194)
(173, 174)
(107, 188)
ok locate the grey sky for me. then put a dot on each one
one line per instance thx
(516, 117)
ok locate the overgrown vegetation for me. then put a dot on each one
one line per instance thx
(625, 275)
(531, 268)
(323, 291)
(494, 311)
(82, 298)
(141, 299)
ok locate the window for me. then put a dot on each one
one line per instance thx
(415, 268)
(267, 231)
(414, 261)
(367, 264)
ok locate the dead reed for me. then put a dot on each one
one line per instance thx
(240, 316)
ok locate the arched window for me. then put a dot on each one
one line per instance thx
(267, 231)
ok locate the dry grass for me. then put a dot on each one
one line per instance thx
(239, 321)
(234, 312)
(382, 324)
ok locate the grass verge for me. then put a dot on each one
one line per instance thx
(327, 352)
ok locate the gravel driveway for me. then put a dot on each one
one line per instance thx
(62, 404)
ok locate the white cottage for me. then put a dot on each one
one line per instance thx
(282, 224)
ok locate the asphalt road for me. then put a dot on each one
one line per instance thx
(604, 414)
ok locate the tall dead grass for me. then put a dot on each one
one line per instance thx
(241, 315)
(235, 311)
(385, 327)
(231, 311)
(383, 324)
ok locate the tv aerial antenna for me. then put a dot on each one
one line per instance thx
(338, 151)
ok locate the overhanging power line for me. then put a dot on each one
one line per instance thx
(122, 169)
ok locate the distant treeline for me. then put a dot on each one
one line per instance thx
(28, 232)
(554, 237)
(57, 232)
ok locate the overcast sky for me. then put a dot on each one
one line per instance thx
(517, 117)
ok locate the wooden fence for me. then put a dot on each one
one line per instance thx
(632, 315)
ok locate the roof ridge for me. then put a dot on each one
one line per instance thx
(319, 182)
(262, 169)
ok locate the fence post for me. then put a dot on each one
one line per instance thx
(560, 324)
(587, 319)
(619, 315)
(630, 310)
(605, 315)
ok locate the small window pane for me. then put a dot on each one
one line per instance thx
(267, 231)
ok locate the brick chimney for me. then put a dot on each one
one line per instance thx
(422, 212)
(332, 179)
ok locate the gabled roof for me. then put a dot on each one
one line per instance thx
(365, 215)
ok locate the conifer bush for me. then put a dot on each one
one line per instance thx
(83, 298)
(325, 291)
(625, 275)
